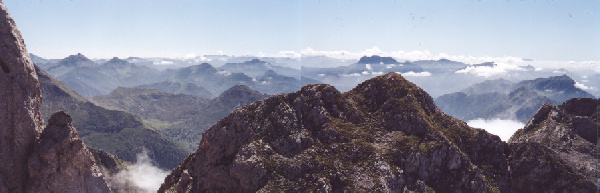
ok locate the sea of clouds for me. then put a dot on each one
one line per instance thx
(500, 127)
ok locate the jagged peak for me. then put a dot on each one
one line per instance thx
(116, 60)
(78, 59)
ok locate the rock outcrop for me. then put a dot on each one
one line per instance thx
(384, 135)
(558, 149)
(35, 159)
(61, 162)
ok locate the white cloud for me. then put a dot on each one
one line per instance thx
(141, 176)
(354, 74)
(224, 73)
(503, 128)
(164, 62)
(368, 66)
(290, 54)
(582, 86)
(411, 73)
(487, 71)
(559, 72)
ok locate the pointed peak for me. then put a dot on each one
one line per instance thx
(116, 60)
(78, 59)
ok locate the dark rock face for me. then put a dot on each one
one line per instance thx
(60, 161)
(557, 150)
(32, 159)
(384, 135)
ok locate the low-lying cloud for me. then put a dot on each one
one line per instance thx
(503, 128)
(142, 176)
(411, 73)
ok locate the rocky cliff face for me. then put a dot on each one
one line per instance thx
(558, 149)
(35, 159)
(384, 135)
(20, 118)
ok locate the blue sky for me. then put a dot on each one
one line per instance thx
(542, 30)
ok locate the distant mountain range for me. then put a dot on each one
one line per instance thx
(116, 132)
(90, 78)
(506, 100)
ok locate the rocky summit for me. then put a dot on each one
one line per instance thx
(34, 158)
(387, 135)
(558, 149)
(384, 135)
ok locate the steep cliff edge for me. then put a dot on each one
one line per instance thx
(384, 135)
(35, 159)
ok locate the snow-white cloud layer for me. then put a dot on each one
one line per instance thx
(411, 73)
(503, 128)
(142, 176)
(582, 86)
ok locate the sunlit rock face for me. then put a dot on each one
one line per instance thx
(384, 135)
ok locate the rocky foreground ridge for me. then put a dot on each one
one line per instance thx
(384, 135)
(34, 158)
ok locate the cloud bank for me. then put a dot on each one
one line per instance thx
(502, 128)
(142, 176)
(411, 73)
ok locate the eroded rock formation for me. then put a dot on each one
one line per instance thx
(61, 162)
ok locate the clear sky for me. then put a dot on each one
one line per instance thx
(541, 30)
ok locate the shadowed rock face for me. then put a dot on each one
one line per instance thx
(32, 159)
(384, 135)
(20, 118)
